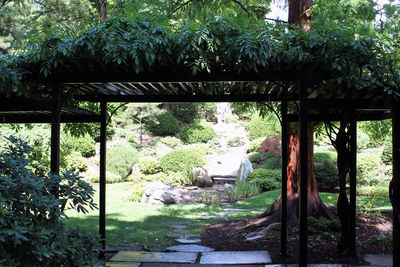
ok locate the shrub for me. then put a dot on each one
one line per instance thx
(137, 191)
(94, 177)
(232, 118)
(322, 225)
(200, 149)
(326, 172)
(255, 145)
(386, 156)
(271, 162)
(272, 145)
(199, 131)
(362, 139)
(171, 141)
(181, 159)
(241, 190)
(235, 141)
(263, 127)
(258, 157)
(265, 179)
(185, 112)
(163, 124)
(368, 168)
(207, 111)
(376, 191)
(149, 165)
(121, 159)
(74, 161)
(32, 232)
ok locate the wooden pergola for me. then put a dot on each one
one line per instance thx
(105, 83)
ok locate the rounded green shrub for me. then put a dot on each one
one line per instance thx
(198, 132)
(75, 162)
(258, 157)
(326, 172)
(386, 156)
(200, 149)
(136, 192)
(185, 112)
(271, 162)
(121, 159)
(181, 159)
(94, 177)
(265, 179)
(83, 144)
(163, 124)
(171, 141)
(368, 169)
(255, 145)
(262, 127)
(149, 165)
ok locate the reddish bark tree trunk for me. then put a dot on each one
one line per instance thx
(299, 14)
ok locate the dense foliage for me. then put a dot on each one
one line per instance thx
(197, 132)
(181, 159)
(163, 124)
(326, 171)
(31, 230)
(263, 127)
(120, 160)
(266, 179)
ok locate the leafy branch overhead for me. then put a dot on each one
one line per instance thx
(219, 44)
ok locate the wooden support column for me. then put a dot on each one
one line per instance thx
(303, 175)
(55, 130)
(103, 148)
(284, 151)
(353, 185)
(394, 187)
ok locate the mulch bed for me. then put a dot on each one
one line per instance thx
(231, 236)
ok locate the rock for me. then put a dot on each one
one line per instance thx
(178, 235)
(160, 193)
(135, 169)
(190, 248)
(245, 168)
(202, 179)
(227, 186)
(272, 231)
(187, 241)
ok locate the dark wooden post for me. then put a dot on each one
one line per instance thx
(55, 130)
(284, 151)
(303, 175)
(394, 187)
(353, 185)
(103, 148)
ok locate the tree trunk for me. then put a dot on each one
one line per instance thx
(299, 14)
(103, 10)
(316, 207)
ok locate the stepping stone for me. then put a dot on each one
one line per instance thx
(236, 210)
(144, 256)
(187, 241)
(256, 211)
(177, 235)
(181, 231)
(254, 236)
(214, 218)
(379, 259)
(123, 264)
(176, 223)
(177, 226)
(190, 248)
(235, 257)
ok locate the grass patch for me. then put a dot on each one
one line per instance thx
(129, 222)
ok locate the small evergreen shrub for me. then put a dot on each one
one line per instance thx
(149, 165)
(258, 157)
(326, 171)
(200, 149)
(94, 177)
(181, 159)
(265, 179)
(185, 112)
(198, 132)
(386, 156)
(83, 144)
(137, 191)
(262, 127)
(163, 124)
(121, 159)
(255, 145)
(171, 141)
(235, 141)
(272, 162)
(75, 162)
(368, 169)
(322, 225)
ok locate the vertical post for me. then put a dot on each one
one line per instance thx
(284, 173)
(394, 187)
(103, 148)
(303, 175)
(55, 130)
(353, 185)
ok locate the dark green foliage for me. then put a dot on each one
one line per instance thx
(83, 144)
(185, 112)
(263, 127)
(163, 124)
(265, 179)
(386, 156)
(181, 159)
(198, 131)
(382, 240)
(326, 171)
(31, 230)
(120, 160)
(322, 226)
(271, 163)
(255, 145)
(368, 169)
(258, 157)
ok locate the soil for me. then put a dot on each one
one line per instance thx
(321, 249)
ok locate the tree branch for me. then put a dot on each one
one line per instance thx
(242, 6)
(181, 6)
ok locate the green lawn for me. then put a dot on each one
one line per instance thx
(129, 222)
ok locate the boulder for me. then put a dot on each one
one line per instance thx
(201, 178)
(160, 193)
(245, 168)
